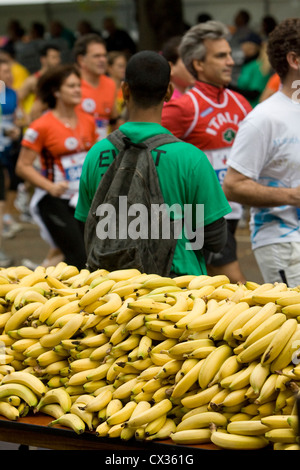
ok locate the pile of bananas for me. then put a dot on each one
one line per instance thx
(194, 359)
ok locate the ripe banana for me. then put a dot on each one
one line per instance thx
(99, 402)
(226, 440)
(187, 381)
(20, 316)
(9, 411)
(203, 420)
(51, 305)
(220, 327)
(210, 319)
(282, 435)
(239, 321)
(289, 354)
(265, 312)
(70, 420)
(280, 339)
(212, 363)
(152, 413)
(122, 415)
(270, 324)
(258, 376)
(191, 436)
(147, 306)
(164, 432)
(257, 349)
(267, 390)
(52, 409)
(66, 332)
(20, 390)
(247, 428)
(57, 395)
(27, 379)
(87, 417)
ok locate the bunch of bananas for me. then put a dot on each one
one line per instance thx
(133, 355)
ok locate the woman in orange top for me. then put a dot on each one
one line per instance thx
(59, 141)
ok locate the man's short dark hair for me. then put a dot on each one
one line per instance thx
(148, 77)
(48, 47)
(83, 42)
(284, 38)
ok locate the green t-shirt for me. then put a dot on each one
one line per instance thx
(253, 79)
(185, 176)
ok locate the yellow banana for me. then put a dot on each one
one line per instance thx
(188, 380)
(51, 305)
(32, 332)
(229, 367)
(53, 409)
(147, 306)
(265, 312)
(9, 411)
(66, 332)
(201, 397)
(239, 321)
(123, 274)
(179, 350)
(220, 327)
(25, 378)
(94, 293)
(212, 363)
(199, 308)
(258, 376)
(164, 432)
(255, 350)
(99, 402)
(20, 390)
(236, 397)
(282, 435)
(270, 324)
(215, 281)
(283, 334)
(209, 320)
(113, 406)
(22, 344)
(20, 316)
(70, 420)
(57, 395)
(155, 425)
(226, 440)
(289, 354)
(203, 420)
(170, 368)
(127, 344)
(247, 428)
(112, 303)
(267, 390)
(191, 436)
(59, 313)
(152, 413)
(122, 415)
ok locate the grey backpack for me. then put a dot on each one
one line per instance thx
(128, 225)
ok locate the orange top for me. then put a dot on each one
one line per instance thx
(274, 82)
(54, 141)
(99, 102)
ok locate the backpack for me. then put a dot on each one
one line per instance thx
(130, 180)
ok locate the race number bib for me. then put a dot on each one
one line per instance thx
(72, 168)
(218, 158)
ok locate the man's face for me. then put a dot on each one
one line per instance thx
(216, 68)
(52, 59)
(95, 60)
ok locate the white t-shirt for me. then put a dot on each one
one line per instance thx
(267, 150)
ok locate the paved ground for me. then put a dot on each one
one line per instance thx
(28, 244)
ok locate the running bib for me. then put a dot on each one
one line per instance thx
(72, 168)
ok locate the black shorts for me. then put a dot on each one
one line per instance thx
(229, 252)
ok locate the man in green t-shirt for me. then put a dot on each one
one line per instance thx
(185, 175)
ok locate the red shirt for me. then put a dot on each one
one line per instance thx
(208, 117)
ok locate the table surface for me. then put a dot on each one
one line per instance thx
(34, 431)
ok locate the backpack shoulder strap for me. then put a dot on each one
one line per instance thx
(121, 141)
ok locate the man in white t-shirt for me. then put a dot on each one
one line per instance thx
(264, 165)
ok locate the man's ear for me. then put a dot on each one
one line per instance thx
(125, 90)
(169, 93)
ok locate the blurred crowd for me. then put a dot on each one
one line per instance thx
(28, 55)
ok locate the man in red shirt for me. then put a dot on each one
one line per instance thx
(99, 93)
(208, 117)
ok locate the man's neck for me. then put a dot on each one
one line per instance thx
(149, 115)
(90, 78)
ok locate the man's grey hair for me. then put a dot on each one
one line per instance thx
(192, 48)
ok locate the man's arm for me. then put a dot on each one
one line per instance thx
(215, 235)
(239, 188)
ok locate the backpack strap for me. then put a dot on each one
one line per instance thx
(122, 142)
